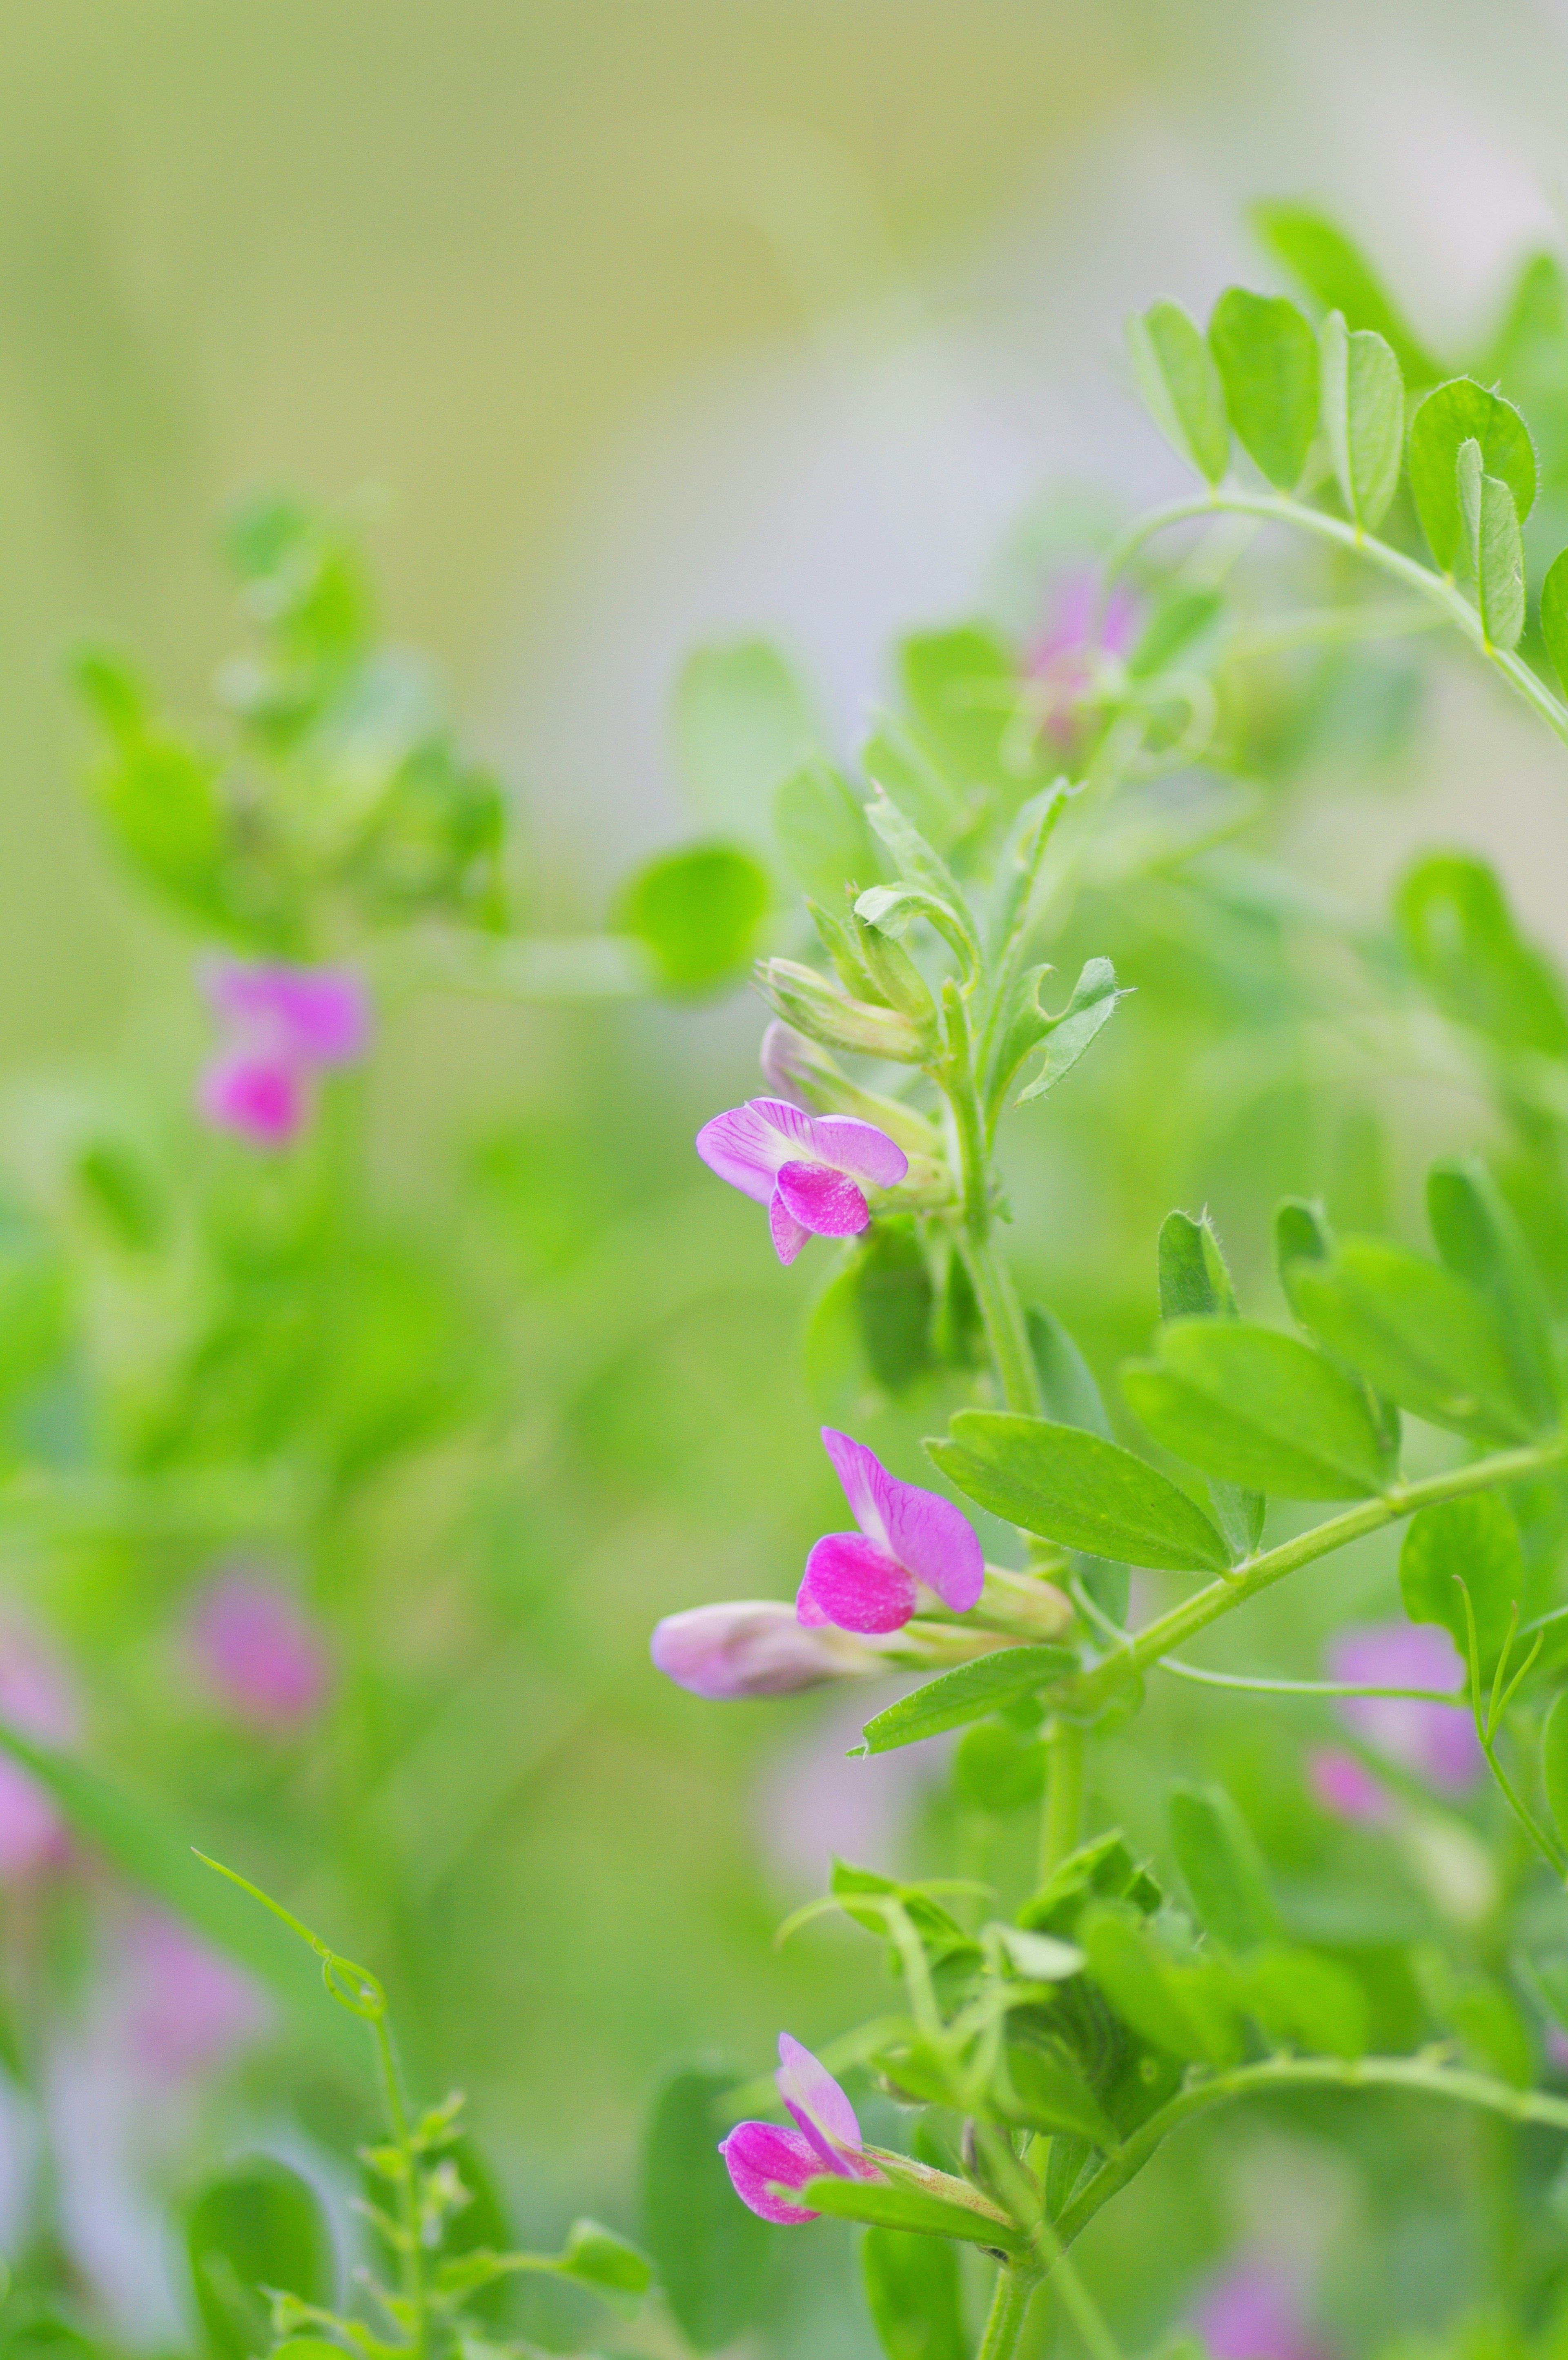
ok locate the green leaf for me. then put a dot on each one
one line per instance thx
(1222, 1867)
(968, 1693)
(1168, 2006)
(698, 911)
(1301, 1233)
(741, 725)
(1364, 418)
(1179, 620)
(1267, 358)
(1194, 1282)
(154, 1850)
(1461, 939)
(256, 2225)
(1332, 267)
(1306, 2002)
(595, 2257)
(711, 2254)
(914, 861)
(913, 2294)
(894, 1301)
(1478, 1238)
(1475, 1541)
(1258, 1409)
(1066, 1382)
(1555, 1762)
(1075, 1488)
(962, 687)
(1103, 1870)
(998, 1768)
(1095, 997)
(1554, 615)
(1494, 546)
(1047, 2094)
(882, 2204)
(1452, 415)
(1181, 385)
(1418, 1334)
(820, 825)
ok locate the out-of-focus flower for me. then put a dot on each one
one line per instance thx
(284, 1024)
(1437, 1741)
(810, 1171)
(258, 1651)
(1345, 1787)
(1255, 2311)
(826, 2138)
(909, 1542)
(754, 1647)
(186, 2008)
(36, 1697)
(1060, 663)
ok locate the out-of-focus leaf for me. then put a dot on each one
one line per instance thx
(1460, 937)
(1452, 415)
(1305, 2000)
(1475, 1541)
(1224, 1873)
(962, 686)
(254, 2225)
(711, 2254)
(1095, 998)
(1554, 1761)
(913, 2294)
(699, 913)
(820, 825)
(967, 1693)
(1258, 1409)
(1174, 2009)
(1181, 385)
(1427, 1339)
(1364, 417)
(1478, 1238)
(1181, 618)
(1066, 1382)
(741, 725)
(1332, 267)
(998, 1769)
(1267, 358)
(1072, 1487)
(595, 2257)
(1050, 2097)
(1195, 1283)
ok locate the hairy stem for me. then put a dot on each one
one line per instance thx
(1009, 2308)
(1089, 1693)
(1435, 587)
(1424, 2074)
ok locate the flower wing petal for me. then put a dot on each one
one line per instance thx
(816, 2102)
(826, 1202)
(856, 1586)
(860, 1149)
(743, 1148)
(763, 2156)
(934, 1540)
(864, 1479)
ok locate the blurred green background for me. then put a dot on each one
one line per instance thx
(630, 326)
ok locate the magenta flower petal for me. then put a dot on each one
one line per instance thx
(257, 1093)
(826, 1202)
(1345, 1787)
(317, 1015)
(935, 1541)
(744, 1148)
(817, 2107)
(1437, 1741)
(755, 1647)
(859, 1148)
(260, 1651)
(865, 1480)
(856, 1586)
(763, 2156)
(807, 1613)
(788, 1234)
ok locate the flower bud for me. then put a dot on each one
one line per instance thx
(803, 1072)
(755, 1647)
(809, 1002)
(895, 973)
(1023, 1605)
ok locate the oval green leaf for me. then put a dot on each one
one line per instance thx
(699, 913)
(1364, 418)
(1450, 415)
(912, 2294)
(965, 1694)
(1267, 358)
(1180, 387)
(1259, 1409)
(1474, 1541)
(1554, 614)
(1072, 1487)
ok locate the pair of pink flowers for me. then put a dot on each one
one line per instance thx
(912, 1548)
(284, 1026)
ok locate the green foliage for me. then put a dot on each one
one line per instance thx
(1073, 1487)
(1461, 940)
(248, 2230)
(742, 728)
(1181, 386)
(1331, 266)
(965, 1694)
(1554, 614)
(1493, 547)
(1095, 997)
(1364, 418)
(1475, 1542)
(712, 2255)
(1267, 360)
(1222, 1868)
(913, 2294)
(1451, 416)
(699, 913)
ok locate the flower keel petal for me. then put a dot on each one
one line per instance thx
(760, 2156)
(788, 1234)
(826, 1202)
(854, 1585)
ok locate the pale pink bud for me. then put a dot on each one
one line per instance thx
(755, 1647)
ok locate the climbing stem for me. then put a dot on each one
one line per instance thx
(1015, 2284)
(1093, 1690)
(1061, 1815)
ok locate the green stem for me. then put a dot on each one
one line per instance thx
(1062, 1820)
(1009, 2309)
(1087, 1694)
(1435, 587)
(1418, 2073)
(408, 2190)
(1005, 1331)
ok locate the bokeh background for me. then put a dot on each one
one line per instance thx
(627, 328)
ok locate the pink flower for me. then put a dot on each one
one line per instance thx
(754, 1647)
(36, 1697)
(826, 2138)
(807, 1169)
(1436, 1740)
(1061, 661)
(284, 1025)
(1345, 1789)
(1254, 2310)
(258, 1651)
(186, 2008)
(910, 1544)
